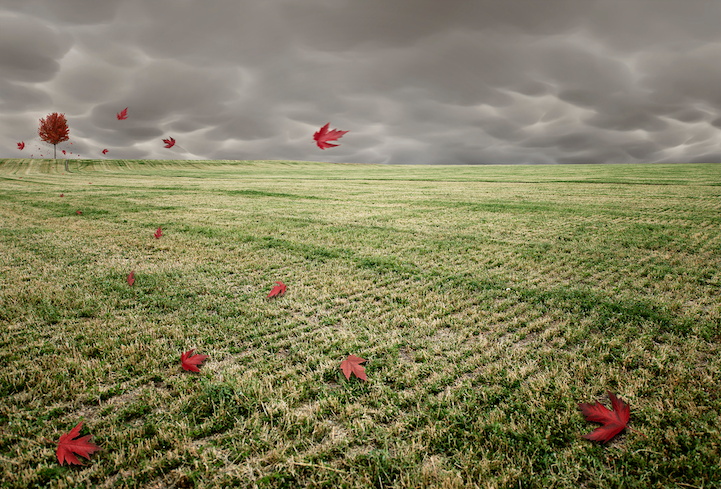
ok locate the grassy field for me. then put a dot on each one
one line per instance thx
(488, 301)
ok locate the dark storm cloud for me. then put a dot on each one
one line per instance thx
(413, 81)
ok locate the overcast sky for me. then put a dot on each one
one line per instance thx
(412, 81)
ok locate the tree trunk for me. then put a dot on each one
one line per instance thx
(55, 151)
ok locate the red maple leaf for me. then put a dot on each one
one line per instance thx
(63, 151)
(79, 212)
(324, 135)
(169, 142)
(105, 151)
(67, 446)
(158, 233)
(191, 362)
(613, 421)
(131, 278)
(352, 364)
(61, 195)
(123, 114)
(278, 290)
(21, 145)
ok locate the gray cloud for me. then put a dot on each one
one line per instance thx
(413, 81)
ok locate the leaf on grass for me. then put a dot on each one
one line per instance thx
(158, 233)
(123, 114)
(323, 135)
(613, 421)
(61, 195)
(21, 145)
(131, 278)
(169, 142)
(79, 212)
(191, 362)
(352, 364)
(278, 290)
(67, 446)
(105, 151)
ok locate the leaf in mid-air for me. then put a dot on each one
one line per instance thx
(158, 233)
(191, 362)
(169, 142)
(105, 151)
(323, 135)
(123, 114)
(352, 364)
(613, 421)
(63, 151)
(67, 447)
(277, 290)
(21, 145)
(131, 278)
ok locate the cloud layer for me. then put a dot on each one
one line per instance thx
(413, 81)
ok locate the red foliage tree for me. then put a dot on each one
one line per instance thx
(54, 129)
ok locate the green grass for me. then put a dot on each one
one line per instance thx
(489, 301)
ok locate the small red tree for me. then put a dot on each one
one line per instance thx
(54, 129)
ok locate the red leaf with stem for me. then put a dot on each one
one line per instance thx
(21, 145)
(169, 142)
(277, 290)
(613, 421)
(323, 135)
(352, 365)
(105, 151)
(131, 278)
(68, 447)
(123, 114)
(158, 233)
(190, 361)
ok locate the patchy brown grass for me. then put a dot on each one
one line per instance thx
(488, 301)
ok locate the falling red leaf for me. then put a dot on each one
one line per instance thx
(63, 151)
(613, 421)
(105, 151)
(21, 145)
(352, 364)
(67, 446)
(158, 233)
(169, 142)
(324, 135)
(131, 278)
(191, 362)
(278, 290)
(79, 212)
(122, 115)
